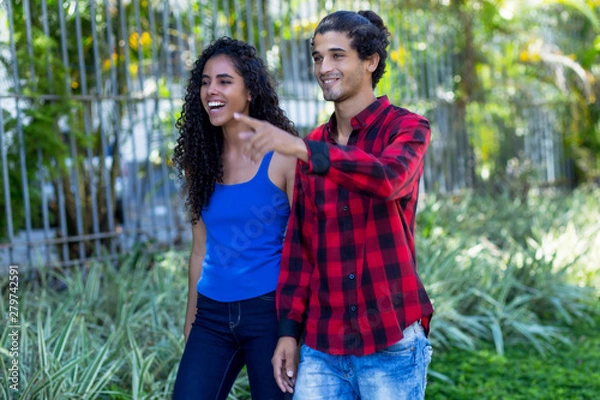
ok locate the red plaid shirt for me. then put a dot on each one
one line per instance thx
(348, 277)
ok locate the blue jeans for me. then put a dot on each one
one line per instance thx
(224, 338)
(397, 372)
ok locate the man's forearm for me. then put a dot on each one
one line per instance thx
(300, 150)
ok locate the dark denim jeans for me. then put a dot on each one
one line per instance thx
(224, 338)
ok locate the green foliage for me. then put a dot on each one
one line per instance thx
(505, 271)
(515, 287)
(102, 335)
(103, 332)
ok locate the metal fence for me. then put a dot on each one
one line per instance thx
(90, 92)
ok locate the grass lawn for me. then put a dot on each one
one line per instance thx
(571, 372)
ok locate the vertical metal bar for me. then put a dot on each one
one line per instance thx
(540, 131)
(32, 80)
(215, 15)
(422, 70)
(225, 5)
(22, 163)
(192, 34)
(443, 154)
(73, 148)
(448, 71)
(249, 22)
(6, 184)
(539, 149)
(62, 218)
(551, 152)
(88, 131)
(283, 57)
(239, 33)
(47, 33)
(270, 29)
(149, 132)
(282, 45)
(260, 30)
(180, 47)
(432, 63)
(563, 166)
(204, 22)
(412, 52)
(547, 147)
(112, 50)
(297, 91)
(405, 45)
(102, 128)
(138, 207)
(161, 136)
(29, 37)
(42, 170)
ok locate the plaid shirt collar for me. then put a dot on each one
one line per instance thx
(361, 121)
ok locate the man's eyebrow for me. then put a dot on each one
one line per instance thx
(331, 50)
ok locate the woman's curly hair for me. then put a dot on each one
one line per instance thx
(197, 154)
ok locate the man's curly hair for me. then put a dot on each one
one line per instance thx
(197, 154)
(367, 32)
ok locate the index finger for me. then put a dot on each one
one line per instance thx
(251, 122)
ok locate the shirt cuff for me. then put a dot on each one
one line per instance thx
(289, 327)
(318, 157)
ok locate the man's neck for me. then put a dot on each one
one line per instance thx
(346, 110)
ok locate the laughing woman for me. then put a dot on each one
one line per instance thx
(238, 211)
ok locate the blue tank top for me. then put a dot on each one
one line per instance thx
(245, 225)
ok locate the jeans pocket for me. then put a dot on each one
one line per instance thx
(400, 348)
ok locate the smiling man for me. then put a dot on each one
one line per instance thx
(349, 292)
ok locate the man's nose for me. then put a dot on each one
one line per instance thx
(326, 65)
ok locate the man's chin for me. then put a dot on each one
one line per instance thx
(330, 96)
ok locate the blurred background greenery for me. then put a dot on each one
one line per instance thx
(508, 226)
